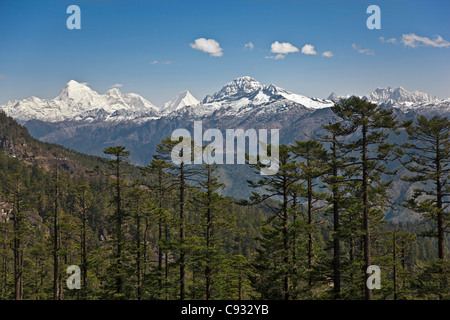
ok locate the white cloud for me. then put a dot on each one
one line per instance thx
(308, 49)
(282, 49)
(363, 51)
(277, 57)
(390, 40)
(327, 54)
(2, 76)
(117, 85)
(210, 46)
(412, 40)
(161, 62)
(249, 45)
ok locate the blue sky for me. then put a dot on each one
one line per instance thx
(146, 47)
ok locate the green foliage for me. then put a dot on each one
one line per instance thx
(150, 233)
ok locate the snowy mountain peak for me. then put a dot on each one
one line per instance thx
(78, 102)
(333, 97)
(399, 95)
(247, 84)
(241, 97)
(113, 92)
(76, 91)
(245, 95)
(273, 89)
(236, 89)
(73, 84)
(182, 99)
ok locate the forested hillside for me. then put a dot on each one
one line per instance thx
(164, 231)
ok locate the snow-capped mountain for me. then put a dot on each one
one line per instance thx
(311, 103)
(235, 90)
(333, 97)
(400, 98)
(78, 102)
(183, 99)
(242, 97)
(245, 95)
(400, 95)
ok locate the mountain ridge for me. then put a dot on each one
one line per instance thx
(243, 96)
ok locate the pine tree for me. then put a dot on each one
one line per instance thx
(370, 154)
(397, 243)
(428, 159)
(277, 186)
(310, 157)
(120, 154)
(57, 283)
(139, 205)
(160, 184)
(19, 233)
(83, 197)
(182, 174)
(336, 182)
(214, 220)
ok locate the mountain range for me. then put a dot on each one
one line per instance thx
(86, 121)
(240, 97)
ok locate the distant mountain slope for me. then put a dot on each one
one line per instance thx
(16, 142)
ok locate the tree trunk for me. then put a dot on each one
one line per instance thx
(84, 242)
(286, 240)
(440, 214)
(208, 238)
(18, 254)
(336, 226)
(56, 277)
(138, 255)
(366, 217)
(119, 280)
(394, 258)
(182, 235)
(160, 232)
(310, 235)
